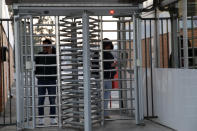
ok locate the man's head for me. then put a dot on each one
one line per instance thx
(107, 44)
(47, 49)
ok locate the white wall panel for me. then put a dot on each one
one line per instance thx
(175, 98)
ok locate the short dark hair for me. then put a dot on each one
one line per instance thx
(107, 42)
(47, 41)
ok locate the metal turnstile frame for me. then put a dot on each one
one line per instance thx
(87, 106)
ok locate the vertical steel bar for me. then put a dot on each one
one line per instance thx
(162, 43)
(175, 43)
(100, 46)
(157, 40)
(146, 70)
(22, 63)
(1, 55)
(32, 73)
(119, 63)
(9, 86)
(29, 78)
(167, 41)
(179, 45)
(124, 93)
(3, 79)
(135, 70)
(58, 71)
(185, 35)
(130, 64)
(151, 68)
(139, 43)
(26, 72)
(97, 84)
(136, 73)
(19, 94)
(102, 72)
(86, 70)
(193, 55)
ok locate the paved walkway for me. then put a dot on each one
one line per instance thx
(110, 126)
(115, 125)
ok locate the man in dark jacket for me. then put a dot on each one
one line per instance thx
(108, 65)
(46, 71)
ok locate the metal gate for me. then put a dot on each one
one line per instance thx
(7, 114)
(80, 92)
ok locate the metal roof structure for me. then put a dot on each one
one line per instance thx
(74, 7)
(74, 1)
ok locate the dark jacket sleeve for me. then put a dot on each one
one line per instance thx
(112, 72)
(37, 62)
(107, 65)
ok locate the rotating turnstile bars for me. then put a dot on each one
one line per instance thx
(95, 82)
(70, 55)
(71, 114)
(71, 51)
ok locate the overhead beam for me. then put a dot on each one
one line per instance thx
(74, 1)
(74, 9)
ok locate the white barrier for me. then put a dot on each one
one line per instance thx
(175, 98)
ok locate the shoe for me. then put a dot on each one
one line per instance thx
(41, 121)
(53, 121)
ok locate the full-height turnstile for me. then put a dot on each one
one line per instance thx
(77, 34)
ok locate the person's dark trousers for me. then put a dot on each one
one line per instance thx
(42, 91)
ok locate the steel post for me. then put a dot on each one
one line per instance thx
(86, 70)
(19, 96)
(185, 35)
(58, 70)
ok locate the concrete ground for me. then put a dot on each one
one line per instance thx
(114, 125)
(109, 126)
